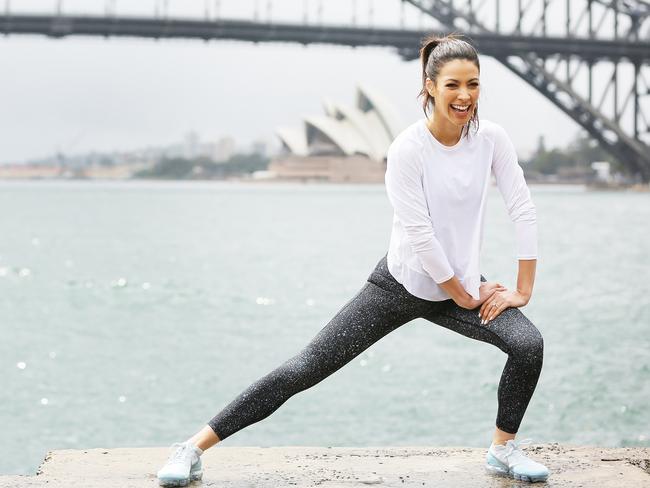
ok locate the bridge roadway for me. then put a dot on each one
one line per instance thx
(406, 41)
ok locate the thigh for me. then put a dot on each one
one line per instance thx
(370, 315)
(507, 331)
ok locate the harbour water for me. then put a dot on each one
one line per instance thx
(133, 312)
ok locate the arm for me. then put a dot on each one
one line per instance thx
(521, 209)
(516, 195)
(526, 278)
(455, 290)
(406, 195)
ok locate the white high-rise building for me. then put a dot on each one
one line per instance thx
(191, 145)
(224, 149)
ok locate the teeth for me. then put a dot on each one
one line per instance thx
(462, 108)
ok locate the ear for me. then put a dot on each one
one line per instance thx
(430, 87)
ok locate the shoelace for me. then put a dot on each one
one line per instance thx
(513, 453)
(516, 446)
(179, 452)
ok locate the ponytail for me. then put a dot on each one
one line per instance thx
(429, 43)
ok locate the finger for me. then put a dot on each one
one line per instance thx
(489, 306)
(496, 311)
(490, 312)
(481, 312)
(484, 306)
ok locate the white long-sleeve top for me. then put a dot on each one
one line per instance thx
(439, 196)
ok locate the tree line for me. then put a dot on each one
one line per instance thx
(203, 168)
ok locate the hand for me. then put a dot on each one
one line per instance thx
(485, 291)
(498, 302)
(487, 288)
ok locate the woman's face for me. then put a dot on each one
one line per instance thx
(455, 92)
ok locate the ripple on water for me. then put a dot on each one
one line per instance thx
(119, 283)
(264, 301)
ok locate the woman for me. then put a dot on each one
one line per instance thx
(437, 178)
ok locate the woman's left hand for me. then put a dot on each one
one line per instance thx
(498, 302)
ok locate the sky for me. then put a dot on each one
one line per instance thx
(80, 94)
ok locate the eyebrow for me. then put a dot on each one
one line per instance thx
(452, 79)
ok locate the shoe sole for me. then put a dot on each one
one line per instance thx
(196, 476)
(509, 474)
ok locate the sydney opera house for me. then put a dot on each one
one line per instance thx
(347, 144)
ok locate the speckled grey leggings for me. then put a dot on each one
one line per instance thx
(381, 306)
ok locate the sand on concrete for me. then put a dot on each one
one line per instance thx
(341, 467)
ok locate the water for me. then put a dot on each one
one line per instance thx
(131, 313)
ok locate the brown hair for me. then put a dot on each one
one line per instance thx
(434, 53)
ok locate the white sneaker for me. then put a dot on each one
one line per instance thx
(510, 460)
(184, 465)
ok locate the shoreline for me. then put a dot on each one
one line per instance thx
(271, 181)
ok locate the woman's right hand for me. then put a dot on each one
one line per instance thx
(486, 290)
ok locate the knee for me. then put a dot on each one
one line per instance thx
(536, 344)
(294, 375)
(529, 344)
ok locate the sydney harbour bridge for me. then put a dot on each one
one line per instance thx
(590, 58)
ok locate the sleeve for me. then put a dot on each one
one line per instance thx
(516, 195)
(406, 195)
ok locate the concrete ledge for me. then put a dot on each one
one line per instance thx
(570, 466)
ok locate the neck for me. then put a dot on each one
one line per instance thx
(446, 133)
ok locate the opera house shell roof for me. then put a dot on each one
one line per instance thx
(366, 130)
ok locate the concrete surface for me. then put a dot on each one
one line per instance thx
(341, 467)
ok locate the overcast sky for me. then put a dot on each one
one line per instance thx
(81, 94)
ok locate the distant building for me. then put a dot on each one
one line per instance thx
(224, 149)
(191, 145)
(602, 169)
(29, 171)
(260, 147)
(346, 144)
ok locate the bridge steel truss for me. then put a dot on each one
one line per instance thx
(617, 116)
(560, 47)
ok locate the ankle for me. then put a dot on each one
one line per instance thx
(501, 440)
(194, 446)
(204, 439)
(501, 437)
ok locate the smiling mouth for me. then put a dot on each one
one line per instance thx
(461, 109)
